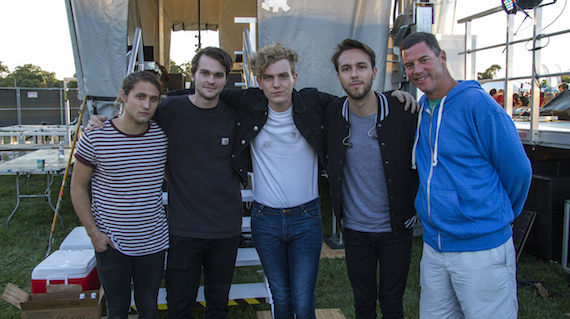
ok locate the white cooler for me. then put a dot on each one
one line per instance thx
(77, 239)
(66, 267)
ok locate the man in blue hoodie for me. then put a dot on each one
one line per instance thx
(474, 179)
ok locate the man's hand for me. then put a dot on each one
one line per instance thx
(100, 242)
(96, 121)
(403, 97)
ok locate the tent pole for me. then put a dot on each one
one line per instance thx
(199, 25)
(161, 50)
(64, 178)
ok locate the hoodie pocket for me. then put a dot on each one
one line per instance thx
(446, 214)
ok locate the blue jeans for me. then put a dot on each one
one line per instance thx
(115, 272)
(365, 254)
(289, 242)
(186, 258)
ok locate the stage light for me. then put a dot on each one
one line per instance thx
(512, 6)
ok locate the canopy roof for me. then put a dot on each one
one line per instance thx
(189, 15)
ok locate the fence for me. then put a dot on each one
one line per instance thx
(34, 106)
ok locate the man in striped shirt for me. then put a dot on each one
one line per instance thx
(125, 217)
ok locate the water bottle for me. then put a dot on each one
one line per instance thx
(60, 152)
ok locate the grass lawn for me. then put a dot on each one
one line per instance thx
(23, 246)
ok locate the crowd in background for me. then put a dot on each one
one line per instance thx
(521, 102)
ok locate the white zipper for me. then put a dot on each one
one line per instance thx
(430, 176)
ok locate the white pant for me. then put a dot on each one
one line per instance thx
(478, 284)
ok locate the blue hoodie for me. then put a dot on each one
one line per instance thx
(474, 173)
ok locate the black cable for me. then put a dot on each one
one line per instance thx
(561, 11)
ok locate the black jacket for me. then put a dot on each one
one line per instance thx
(252, 111)
(396, 138)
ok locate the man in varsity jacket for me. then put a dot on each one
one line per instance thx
(369, 138)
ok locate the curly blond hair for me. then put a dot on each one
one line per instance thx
(270, 54)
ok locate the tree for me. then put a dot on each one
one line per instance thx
(490, 73)
(28, 75)
(3, 69)
(183, 68)
(566, 78)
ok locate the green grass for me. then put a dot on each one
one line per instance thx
(24, 245)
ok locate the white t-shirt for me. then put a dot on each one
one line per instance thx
(285, 169)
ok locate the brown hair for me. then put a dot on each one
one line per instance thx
(215, 53)
(349, 44)
(132, 79)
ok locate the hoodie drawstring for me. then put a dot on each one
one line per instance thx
(417, 137)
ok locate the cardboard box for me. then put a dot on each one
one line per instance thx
(66, 267)
(84, 304)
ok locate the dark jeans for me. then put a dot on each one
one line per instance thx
(289, 242)
(186, 258)
(115, 272)
(365, 252)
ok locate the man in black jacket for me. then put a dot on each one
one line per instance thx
(369, 138)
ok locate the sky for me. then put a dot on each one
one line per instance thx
(37, 32)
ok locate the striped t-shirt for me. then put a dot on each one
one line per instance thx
(126, 186)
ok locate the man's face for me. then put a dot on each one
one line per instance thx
(426, 70)
(210, 78)
(277, 82)
(141, 102)
(355, 73)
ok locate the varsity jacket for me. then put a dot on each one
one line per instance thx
(395, 137)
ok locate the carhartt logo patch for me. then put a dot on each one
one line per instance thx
(225, 140)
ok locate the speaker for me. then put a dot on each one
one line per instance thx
(176, 82)
(549, 188)
(566, 237)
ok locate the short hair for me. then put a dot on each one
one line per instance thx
(349, 44)
(418, 37)
(493, 91)
(270, 54)
(215, 53)
(563, 85)
(132, 79)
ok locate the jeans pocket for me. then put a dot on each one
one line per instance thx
(313, 212)
(256, 213)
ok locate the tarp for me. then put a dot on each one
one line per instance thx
(98, 29)
(314, 28)
(561, 102)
